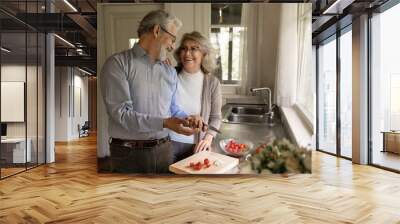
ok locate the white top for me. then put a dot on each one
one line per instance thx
(188, 97)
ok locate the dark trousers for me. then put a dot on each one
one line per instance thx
(182, 150)
(154, 159)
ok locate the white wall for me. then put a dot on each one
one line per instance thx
(68, 81)
(80, 83)
(61, 103)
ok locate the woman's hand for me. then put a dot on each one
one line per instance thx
(204, 144)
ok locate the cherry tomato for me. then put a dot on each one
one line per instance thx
(197, 167)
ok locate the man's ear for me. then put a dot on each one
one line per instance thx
(156, 30)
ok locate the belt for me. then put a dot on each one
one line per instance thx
(139, 143)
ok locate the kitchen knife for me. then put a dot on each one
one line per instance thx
(209, 127)
(213, 128)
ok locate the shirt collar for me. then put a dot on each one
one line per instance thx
(140, 52)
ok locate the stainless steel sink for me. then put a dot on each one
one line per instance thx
(246, 118)
(248, 114)
(241, 110)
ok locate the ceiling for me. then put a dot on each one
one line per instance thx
(79, 27)
(331, 15)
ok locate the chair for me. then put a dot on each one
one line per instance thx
(84, 130)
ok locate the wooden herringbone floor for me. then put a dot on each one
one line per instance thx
(71, 191)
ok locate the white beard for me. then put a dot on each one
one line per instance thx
(163, 53)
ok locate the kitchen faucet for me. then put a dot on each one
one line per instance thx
(270, 113)
(269, 96)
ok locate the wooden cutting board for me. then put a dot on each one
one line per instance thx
(225, 164)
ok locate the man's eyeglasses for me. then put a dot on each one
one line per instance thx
(173, 36)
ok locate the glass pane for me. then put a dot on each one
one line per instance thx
(226, 41)
(31, 98)
(236, 47)
(346, 94)
(13, 86)
(327, 97)
(220, 41)
(386, 89)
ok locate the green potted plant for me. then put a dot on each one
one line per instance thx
(281, 157)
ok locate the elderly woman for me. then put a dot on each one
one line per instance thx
(198, 92)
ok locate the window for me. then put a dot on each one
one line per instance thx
(22, 65)
(226, 37)
(133, 41)
(226, 40)
(335, 74)
(327, 96)
(385, 88)
(346, 94)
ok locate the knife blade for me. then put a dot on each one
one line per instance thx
(213, 128)
(209, 127)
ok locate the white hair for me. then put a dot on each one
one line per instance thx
(157, 17)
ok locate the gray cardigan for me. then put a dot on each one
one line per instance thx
(211, 103)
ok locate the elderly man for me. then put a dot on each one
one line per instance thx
(139, 94)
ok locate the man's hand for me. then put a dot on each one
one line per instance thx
(177, 125)
(167, 62)
(196, 122)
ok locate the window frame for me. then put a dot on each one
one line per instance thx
(378, 10)
(335, 36)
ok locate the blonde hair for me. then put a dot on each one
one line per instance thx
(208, 64)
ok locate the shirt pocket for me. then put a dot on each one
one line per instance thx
(166, 90)
(140, 91)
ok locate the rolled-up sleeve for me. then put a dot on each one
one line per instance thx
(116, 95)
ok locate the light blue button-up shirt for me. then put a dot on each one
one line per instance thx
(138, 94)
